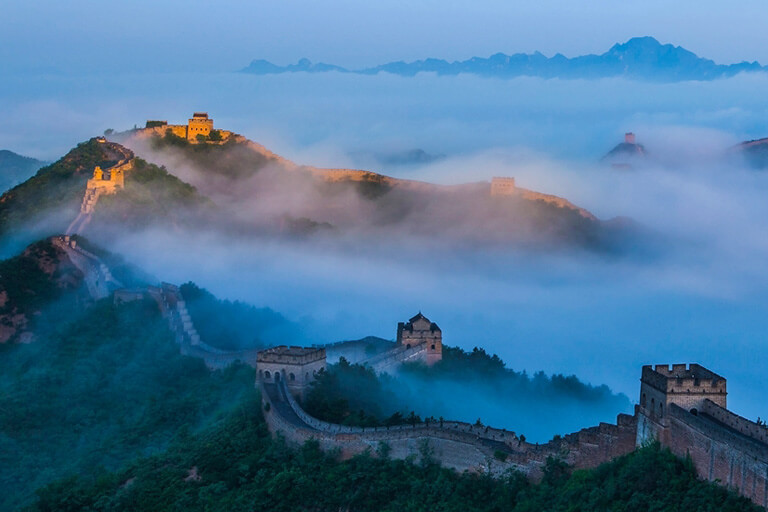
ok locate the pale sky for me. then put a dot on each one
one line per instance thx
(148, 35)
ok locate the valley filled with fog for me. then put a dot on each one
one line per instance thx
(693, 289)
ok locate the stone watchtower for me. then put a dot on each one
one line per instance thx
(297, 366)
(419, 330)
(200, 124)
(682, 386)
(686, 386)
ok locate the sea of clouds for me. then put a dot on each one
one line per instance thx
(696, 294)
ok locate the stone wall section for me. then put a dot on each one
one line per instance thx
(694, 422)
(174, 309)
(106, 181)
(719, 453)
(97, 276)
(462, 446)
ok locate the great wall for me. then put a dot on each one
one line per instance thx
(104, 181)
(683, 406)
(199, 128)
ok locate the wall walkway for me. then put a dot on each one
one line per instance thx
(462, 446)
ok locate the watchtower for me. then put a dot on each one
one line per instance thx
(502, 186)
(629, 138)
(297, 366)
(686, 386)
(419, 330)
(200, 124)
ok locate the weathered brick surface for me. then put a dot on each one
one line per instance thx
(694, 422)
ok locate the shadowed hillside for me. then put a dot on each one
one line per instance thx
(16, 168)
(236, 465)
(46, 203)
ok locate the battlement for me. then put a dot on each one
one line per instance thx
(420, 330)
(683, 378)
(296, 366)
(291, 355)
(199, 125)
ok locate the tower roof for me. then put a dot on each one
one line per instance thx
(419, 316)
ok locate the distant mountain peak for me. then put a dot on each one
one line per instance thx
(639, 58)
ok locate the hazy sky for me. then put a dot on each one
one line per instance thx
(150, 35)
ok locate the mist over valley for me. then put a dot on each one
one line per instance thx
(486, 264)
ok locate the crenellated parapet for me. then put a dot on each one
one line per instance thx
(199, 129)
(686, 385)
(683, 406)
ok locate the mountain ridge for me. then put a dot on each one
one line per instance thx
(643, 58)
(16, 168)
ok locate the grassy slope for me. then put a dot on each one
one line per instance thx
(151, 197)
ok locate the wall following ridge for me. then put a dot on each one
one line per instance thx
(97, 276)
(395, 357)
(107, 181)
(458, 445)
(174, 309)
(719, 454)
(736, 422)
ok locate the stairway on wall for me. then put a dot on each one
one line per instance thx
(98, 278)
(91, 196)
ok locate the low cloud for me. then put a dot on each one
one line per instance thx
(696, 294)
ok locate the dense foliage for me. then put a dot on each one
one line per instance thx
(151, 197)
(232, 159)
(98, 390)
(236, 325)
(460, 387)
(352, 394)
(237, 466)
(479, 366)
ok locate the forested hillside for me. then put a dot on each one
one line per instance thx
(237, 466)
(98, 390)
